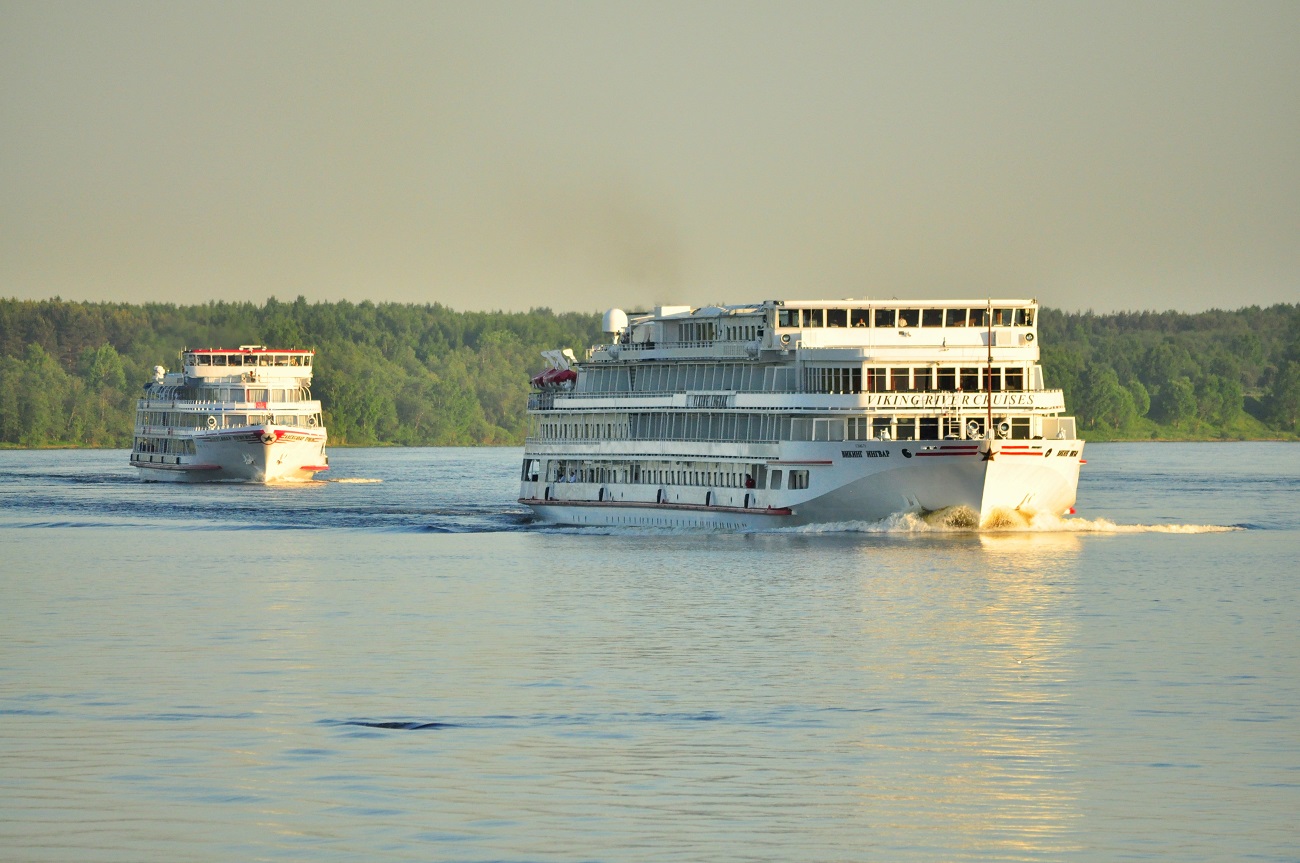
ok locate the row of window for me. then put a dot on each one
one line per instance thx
(682, 377)
(247, 359)
(188, 420)
(165, 445)
(745, 427)
(703, 474)
(842, 378)
(252, 394)
(945, 379)
(904, 317)
(707, 331)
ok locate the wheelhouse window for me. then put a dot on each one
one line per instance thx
(812, 317)
(932, 317)
(885, 317)
(979, 317)
(837, 317)
(909, 317)
(860, 317)
(788, 318)
(955, 317)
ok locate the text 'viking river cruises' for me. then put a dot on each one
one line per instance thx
(241, 414)
(802, 412)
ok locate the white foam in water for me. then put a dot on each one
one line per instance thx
(355, 480)
(963, 520)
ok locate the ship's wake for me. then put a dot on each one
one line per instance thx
(965, 520)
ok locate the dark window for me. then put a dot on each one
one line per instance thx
(837, 317)
(932, 317)
(885, 317)
(860, 317)
(956, 317)
(909, 317)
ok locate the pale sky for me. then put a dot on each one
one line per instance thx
(1105, 155)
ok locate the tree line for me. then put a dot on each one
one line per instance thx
(1171, 375)
(427, 375)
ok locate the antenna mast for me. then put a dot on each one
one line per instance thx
(988, 373)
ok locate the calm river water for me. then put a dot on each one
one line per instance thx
(396, 665)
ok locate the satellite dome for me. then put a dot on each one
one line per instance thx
(614, 322)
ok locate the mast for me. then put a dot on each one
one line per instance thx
(988, 373)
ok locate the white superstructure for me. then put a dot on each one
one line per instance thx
(242, 414)
(799, 412)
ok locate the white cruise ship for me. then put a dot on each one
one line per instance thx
(802, 412)
(243, 415)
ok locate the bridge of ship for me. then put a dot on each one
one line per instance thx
(252, 360)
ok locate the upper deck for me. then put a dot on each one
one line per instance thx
(247, 362)
(871, 329)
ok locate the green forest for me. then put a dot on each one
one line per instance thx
(427, 375)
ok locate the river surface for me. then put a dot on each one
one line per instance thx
(397, 665)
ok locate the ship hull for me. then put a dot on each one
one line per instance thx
(977, 482)
(258, 454)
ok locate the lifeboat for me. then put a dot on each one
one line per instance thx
(554, 378)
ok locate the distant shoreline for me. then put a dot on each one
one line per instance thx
(15, 447)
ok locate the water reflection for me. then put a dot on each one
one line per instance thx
(974, 651)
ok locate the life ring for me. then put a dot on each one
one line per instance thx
(212, 422)
(785, 338)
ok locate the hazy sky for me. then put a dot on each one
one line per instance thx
(1106, 155)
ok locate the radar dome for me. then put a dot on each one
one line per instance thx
(615, 321)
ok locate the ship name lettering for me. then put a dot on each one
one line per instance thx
(952, 400)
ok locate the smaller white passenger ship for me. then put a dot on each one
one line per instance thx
(236, 415)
